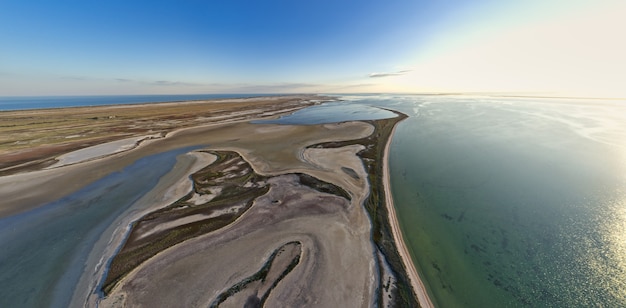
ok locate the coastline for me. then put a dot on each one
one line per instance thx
(418, 285)
(32, 139)
(14, 186)
(234, 134)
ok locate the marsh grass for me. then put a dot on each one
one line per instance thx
(376, 207)
(235, 197)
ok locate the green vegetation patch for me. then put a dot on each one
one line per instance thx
(322, 186)
(238, 186)
(261, 275)
(139, 248)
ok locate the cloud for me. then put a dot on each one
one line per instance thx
(172, 83)
(156, 82)
(273, 88)
(398, 73)
(352, 86)
(77, 78)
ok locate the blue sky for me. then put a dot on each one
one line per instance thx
(154, 47)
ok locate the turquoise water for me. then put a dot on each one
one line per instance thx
(510, 202)
(44, 250)
(514, 202)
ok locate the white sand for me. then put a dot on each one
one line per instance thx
(100, 150)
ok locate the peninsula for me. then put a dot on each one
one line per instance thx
(249, 214)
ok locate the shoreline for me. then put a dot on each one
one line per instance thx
(19, 199)
(31, 139)
(175, 101)
(274, 163)
(173, 186)
(418, 285)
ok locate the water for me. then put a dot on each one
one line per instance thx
(44, 250)
(331, 113)
(38, 102)
(504, 202)
(514, 202)
(508, 202)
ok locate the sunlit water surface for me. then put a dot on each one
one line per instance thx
(511, 202)
(503, 202)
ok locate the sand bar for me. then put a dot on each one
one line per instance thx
(182, 124)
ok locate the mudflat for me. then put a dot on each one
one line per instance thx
(37, 140)
(258, 214)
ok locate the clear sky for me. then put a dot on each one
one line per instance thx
(564, 47)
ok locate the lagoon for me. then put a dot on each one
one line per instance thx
(45, 249)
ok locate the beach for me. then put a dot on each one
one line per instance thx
(418, 285)
(320, 192)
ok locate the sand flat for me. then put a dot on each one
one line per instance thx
(324, 229)
(16, 186)
(327, 234)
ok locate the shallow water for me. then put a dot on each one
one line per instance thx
(332, 112)
(510, 202)
(44, 250)
(514, 202)
(504, 202)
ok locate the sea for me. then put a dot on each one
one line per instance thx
(42, 102)
(506, 201)
(503, 201)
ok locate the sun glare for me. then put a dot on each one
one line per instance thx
(577, 54)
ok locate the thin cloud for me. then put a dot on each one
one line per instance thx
(352, 86)
(79, 78)
(172, 83)
(274, 88)
(379, 75)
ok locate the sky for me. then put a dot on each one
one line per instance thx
(542, 47)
